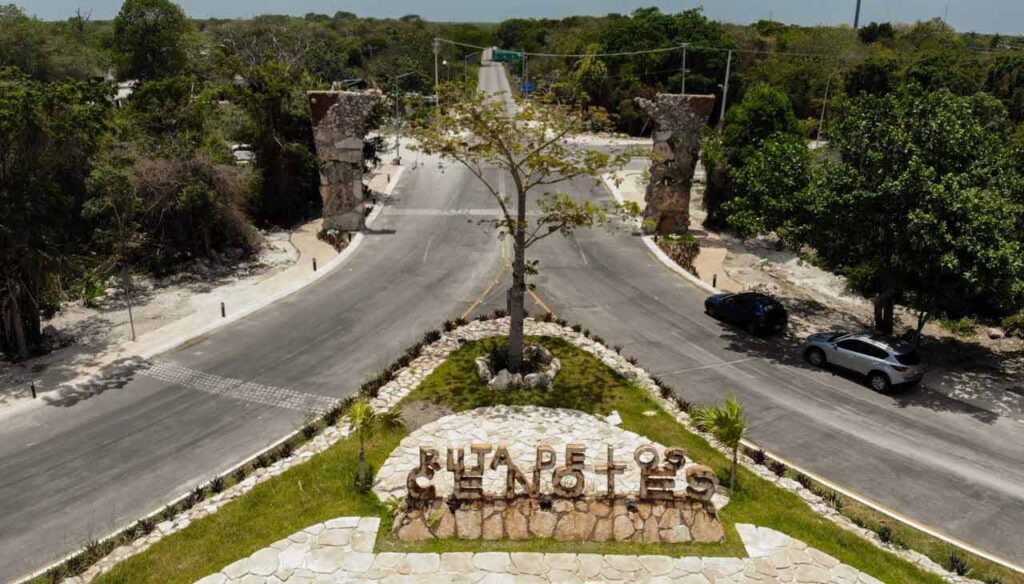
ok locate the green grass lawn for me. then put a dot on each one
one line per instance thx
(323, 488)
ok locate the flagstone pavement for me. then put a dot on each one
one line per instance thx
(341, 550)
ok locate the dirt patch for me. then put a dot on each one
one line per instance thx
(416, 414)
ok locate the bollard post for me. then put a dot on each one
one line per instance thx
(314, 264)
(714, 281)
(33, 390)
(222, 313)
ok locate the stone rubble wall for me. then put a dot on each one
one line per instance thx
(679, 121)
(339, 126)
(583, 519)
(340, 550)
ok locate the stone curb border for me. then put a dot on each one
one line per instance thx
(196, 333)
(407, 379)
(652, 246)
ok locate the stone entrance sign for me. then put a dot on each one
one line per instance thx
(339, 124)
(678, 122)
(659, 512)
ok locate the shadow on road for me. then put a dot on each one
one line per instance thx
(785, 349)
(113, 376)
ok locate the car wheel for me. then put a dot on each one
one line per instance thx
(879, 381)
(709, 310)
(816, 357)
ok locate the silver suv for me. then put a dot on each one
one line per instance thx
(885, 360)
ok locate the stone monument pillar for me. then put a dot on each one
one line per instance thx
(678, 123)
(339, 125)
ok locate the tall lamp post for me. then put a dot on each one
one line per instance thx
(398, 119)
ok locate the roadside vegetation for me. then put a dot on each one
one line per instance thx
(91, 191)
(326, 486)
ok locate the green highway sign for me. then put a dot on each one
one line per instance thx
(506, 56)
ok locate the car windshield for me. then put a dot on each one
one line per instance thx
(897, 344)
(911, 358)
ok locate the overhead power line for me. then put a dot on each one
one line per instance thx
(679, 47)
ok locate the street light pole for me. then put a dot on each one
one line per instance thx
(821, 122)
(398, 121)
(437, 80)
(725, 92)
(682, 88)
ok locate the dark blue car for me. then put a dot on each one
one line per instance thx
(756, 312)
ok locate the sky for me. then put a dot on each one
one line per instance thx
(987, 16)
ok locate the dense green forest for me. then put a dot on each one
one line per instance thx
(90, 185)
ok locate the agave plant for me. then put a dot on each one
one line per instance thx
(727, 425)
(367, 423)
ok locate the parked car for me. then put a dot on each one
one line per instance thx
(754, 311)
(884, 360)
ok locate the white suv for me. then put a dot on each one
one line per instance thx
(885, 360)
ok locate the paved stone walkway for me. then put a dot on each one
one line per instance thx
(340, 550)
(521, 429)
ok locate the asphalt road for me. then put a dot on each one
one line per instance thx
(944, 463)
(92, 460)
(95, 459)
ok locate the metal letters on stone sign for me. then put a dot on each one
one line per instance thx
(657, 473)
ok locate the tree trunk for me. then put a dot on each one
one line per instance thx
(884, 304)
(362, 464)
(517, 293)
(922, 319)
(16, 320)
(732, 471)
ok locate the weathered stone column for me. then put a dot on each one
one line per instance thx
(678, 123)
(339, 125)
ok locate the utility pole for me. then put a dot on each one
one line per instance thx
(725, 92)
(126, 283)
(682, 87)
(821, 122)
(856, 17)
(437, 72)
(398, 121)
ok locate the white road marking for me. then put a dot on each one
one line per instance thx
(427, 250)
(238, 389)
(711, 366)
(582, 255)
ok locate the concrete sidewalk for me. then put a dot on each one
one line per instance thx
(68, 368)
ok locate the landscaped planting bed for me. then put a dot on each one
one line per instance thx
(323, 487)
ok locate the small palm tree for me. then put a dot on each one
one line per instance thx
(367, 423)
(726, 424)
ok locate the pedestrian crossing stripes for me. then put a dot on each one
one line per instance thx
(237, 389)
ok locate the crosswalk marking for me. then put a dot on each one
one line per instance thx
(237, 389)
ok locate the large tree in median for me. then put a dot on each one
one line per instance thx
(531, 148)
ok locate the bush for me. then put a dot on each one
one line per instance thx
(684, 405)
(217, 484)
(884, 533)
(958, 565)
(238, 475)
(833, 500)
(777, 467)
(805, 481)
(448, 326)
(757, 455)
(681, 248)
(431, 336)
(286, 449)
(963, 327)
(1014, 325)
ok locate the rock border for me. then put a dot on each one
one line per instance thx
(428, 357)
